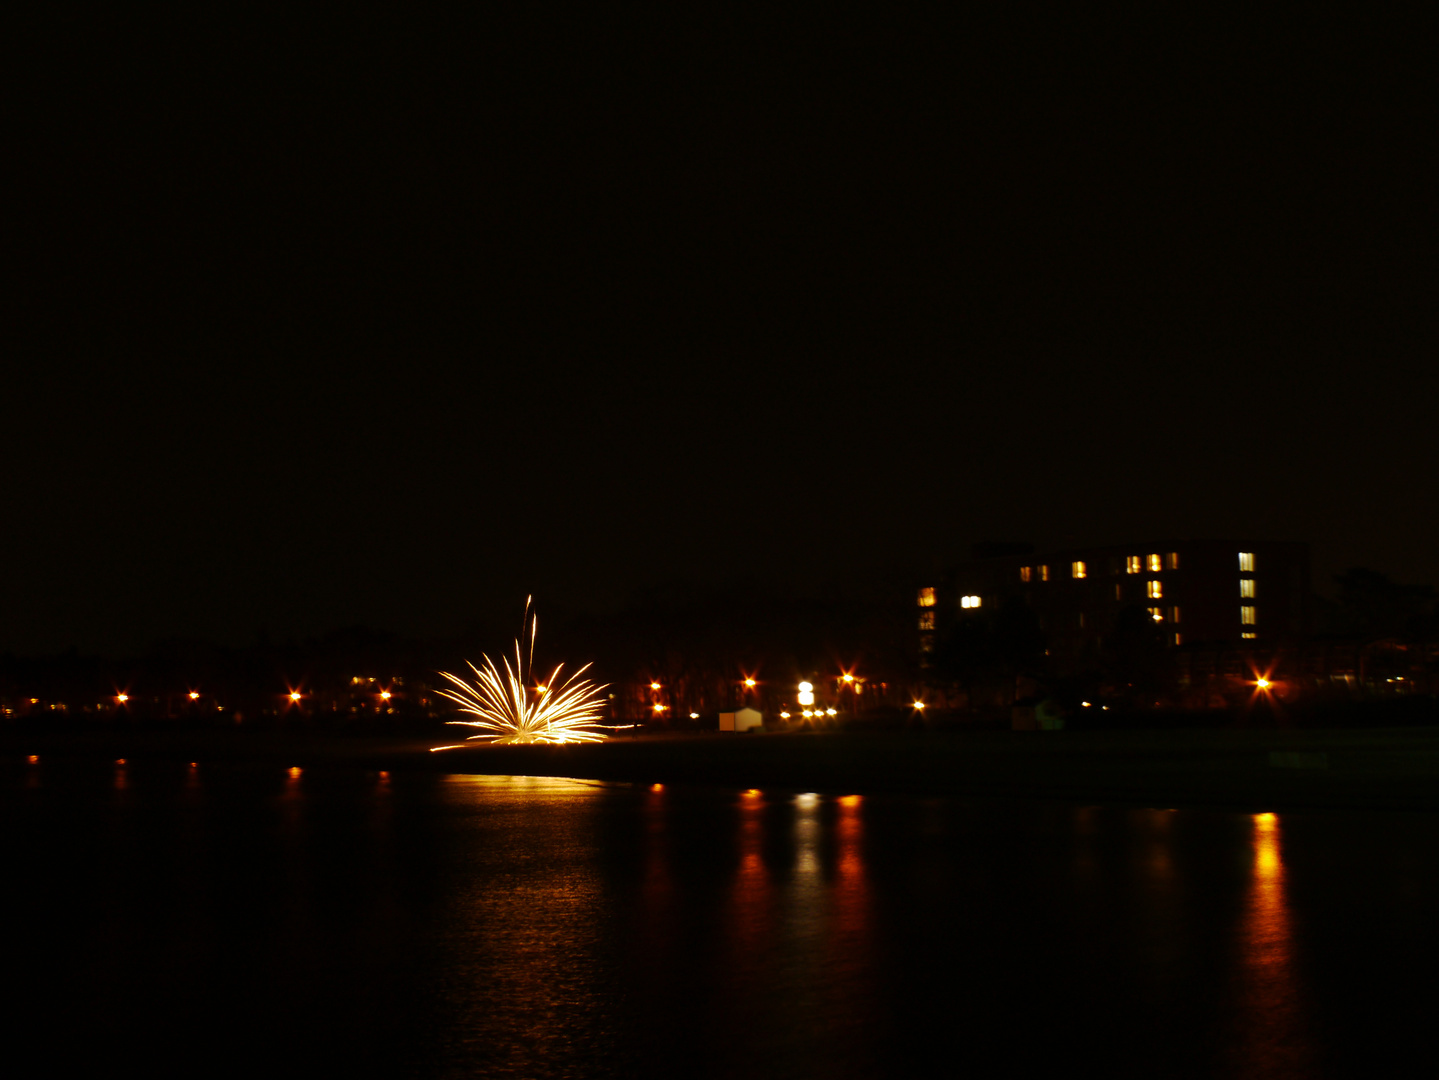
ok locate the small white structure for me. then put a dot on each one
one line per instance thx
(743, 720)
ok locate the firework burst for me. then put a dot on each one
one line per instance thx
(511, 707)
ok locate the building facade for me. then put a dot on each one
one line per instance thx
(1194, 591)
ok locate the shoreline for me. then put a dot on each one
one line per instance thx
(1246, 769)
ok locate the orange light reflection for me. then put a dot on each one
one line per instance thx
(1272, 1035)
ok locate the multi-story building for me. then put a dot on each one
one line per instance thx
(1195, 591)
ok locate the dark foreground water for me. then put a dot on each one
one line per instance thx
(167, 920)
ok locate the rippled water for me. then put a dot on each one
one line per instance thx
(183, 919)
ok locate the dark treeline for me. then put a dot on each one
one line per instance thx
(680, 650)
(699, 645)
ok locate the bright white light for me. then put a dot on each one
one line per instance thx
(805, 688)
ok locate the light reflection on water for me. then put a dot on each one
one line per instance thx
(1274, 1028)
(548, 927)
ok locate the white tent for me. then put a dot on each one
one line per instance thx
(743, 720)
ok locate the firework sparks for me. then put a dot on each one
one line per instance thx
(512, 707)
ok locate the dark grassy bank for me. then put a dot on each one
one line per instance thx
(1250, 769)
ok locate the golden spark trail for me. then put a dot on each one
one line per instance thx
(509, 709)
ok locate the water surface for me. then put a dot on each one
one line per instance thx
(181, 919)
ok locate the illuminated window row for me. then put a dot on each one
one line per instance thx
(1246, 614)
(1160, 615)
(969, 601)
(926, 597)
(1246, 587)
(1155, 563)
(1246, 562)
(1156, 589)
(926, 620)
(1078, 570)
(1027, 573)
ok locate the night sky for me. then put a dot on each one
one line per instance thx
(359, 318)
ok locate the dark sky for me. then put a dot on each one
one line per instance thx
(360, 318)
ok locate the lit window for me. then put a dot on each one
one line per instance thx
(1156, 589)
(926, 644)
(1246, 587)
(1174, 614)
(1134, 564)
(1177, 639)
(1249, 634)
(1077, 569)
(1157, 614)
(969, 601)
(1156, 564)
(1173, 561)
(1246, 614)
(926, 598)
(1025, 572)
(1246, 562)
(1044, 573)
(926, 620)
